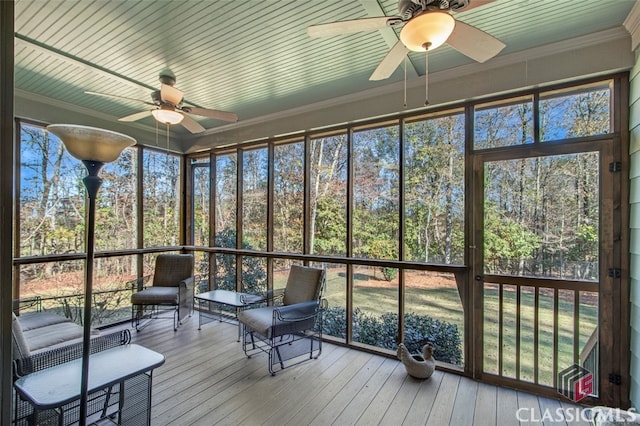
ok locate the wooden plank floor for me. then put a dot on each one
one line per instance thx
(207, 380)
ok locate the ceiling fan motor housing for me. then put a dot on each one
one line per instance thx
(410, 8)
(167, 77)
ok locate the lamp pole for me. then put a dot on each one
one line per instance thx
(94, 147)
(92, 183)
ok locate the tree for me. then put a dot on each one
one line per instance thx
(506, 242)
(161, 197)
(328, 175)
(376, 192)
(434, 189)
(288, 197)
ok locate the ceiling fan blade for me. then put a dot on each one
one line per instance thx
(474, 43)
(390, 62)
(136, 116)
(212, 113)
(170, 94)
(191, 125)
(106, 95)
(352, 26)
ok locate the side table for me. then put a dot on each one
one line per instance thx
(233, 299)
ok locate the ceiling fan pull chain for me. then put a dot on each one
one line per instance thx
(405, 81)
(168, 139)
(426, 78)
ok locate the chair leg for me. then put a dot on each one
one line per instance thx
(280, 357)
(176, 319)
(136, 314)
(139, 320)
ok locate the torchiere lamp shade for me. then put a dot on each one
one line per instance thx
(91, 144)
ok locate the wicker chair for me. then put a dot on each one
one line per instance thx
(172, 289)
(289, 332)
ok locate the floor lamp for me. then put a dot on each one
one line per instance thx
(94, 147)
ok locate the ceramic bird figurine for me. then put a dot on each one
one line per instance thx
(418, 366)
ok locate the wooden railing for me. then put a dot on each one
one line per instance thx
(535, 328)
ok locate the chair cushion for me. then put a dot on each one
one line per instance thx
(259, 319)
(303, 285)
(262, 320)
(156, 296)
(30, 320)
(18, 340)
(54, 334)
(170, 269)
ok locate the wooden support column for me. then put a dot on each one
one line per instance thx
(6, 197)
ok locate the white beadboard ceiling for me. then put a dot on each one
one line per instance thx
(250, 57)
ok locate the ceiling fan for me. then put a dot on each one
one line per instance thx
(168, 107)
(426, 25)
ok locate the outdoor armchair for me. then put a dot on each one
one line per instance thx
(172, 289)
(291, 332)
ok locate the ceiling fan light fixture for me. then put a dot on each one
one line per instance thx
(427, 31)
(167, 116)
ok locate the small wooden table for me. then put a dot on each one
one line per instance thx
(123, 373)
(228, 298)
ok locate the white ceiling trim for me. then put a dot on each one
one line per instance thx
(632, 24)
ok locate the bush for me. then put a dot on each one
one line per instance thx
(389, 273)
(381, 331)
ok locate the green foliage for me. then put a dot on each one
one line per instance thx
(504, 238)
(253, 273)
(330, 226)
(383, 249)
(382, 331)
(389, 273)
(586, 244)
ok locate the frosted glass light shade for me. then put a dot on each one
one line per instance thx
(427, 31)
(90, 143)
(167, 116)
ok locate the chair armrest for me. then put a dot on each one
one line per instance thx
(297, 312)
(188, 282)
(187, 285)
(186, 290)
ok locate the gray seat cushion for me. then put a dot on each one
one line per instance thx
(31, 320)
(52, 335)
(156, 296)
(262, 320)
(18, 339)
(259, 319)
